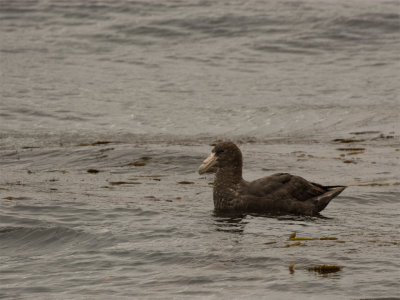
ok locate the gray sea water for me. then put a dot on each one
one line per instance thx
(107, 108)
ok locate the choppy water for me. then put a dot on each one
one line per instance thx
(293, 82)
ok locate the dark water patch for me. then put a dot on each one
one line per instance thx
(383, 22)
(283, 49)
(115, 39)
(156, 31)
(26, 51)
(33, 112)
(228, 25)
(17, 7)
(181, 280)
(145, 158)
(137, 164)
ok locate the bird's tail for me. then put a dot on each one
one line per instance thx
(323, 200)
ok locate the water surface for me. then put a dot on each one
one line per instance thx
(138, 90)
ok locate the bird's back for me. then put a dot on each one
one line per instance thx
(286, 193)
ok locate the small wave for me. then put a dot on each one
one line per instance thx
(384, 22)
(19, 240)
(372, 198)
(133, 30)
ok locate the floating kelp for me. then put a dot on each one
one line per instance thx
(291, 268)
(16, 198)
(151, 176)
(348, 161)
(124, 182)
(94, 143)
(100, 143)
(93, 171)
(293, 245)
(382, 136)
(373, 184)
(350, 149)
(185, 182)
(293, 237)
(354, 153)
(346, 141)
(301, 239)
(311, 156)
(269, 243)
(325, 269)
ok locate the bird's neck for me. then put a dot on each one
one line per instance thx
(231, 175)
(226, 184)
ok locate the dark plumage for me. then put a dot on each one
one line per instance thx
(278, 193)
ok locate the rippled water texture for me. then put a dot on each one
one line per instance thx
(107, 108)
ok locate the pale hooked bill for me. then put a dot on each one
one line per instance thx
(208, 164)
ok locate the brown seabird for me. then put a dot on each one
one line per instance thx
(278, 193)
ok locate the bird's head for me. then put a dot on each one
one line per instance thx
(223, 155)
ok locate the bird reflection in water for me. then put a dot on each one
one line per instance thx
(229, 222)
(235, 222)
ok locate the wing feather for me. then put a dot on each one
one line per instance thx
(284, 186)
